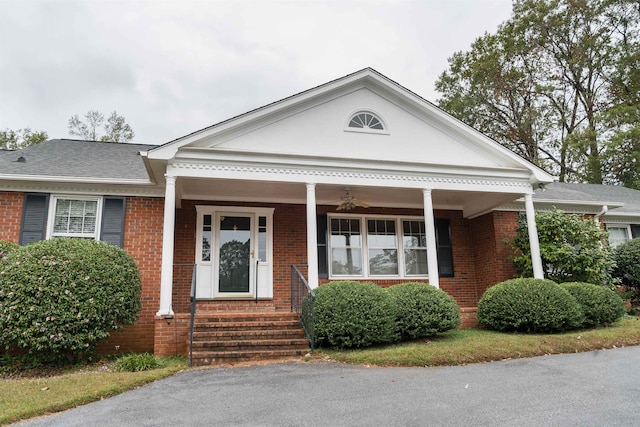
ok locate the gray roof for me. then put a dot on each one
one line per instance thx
(74, 158)
(591, 193)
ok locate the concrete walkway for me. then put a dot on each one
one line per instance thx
(599, 388)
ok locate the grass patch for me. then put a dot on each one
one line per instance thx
(464, 346)
(29, 397)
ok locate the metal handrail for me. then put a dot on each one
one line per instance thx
(192, 297)
(299, 290)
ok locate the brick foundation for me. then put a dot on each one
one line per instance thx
(171, 336)
(468, 317)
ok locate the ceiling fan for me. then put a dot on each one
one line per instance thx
(348, 202)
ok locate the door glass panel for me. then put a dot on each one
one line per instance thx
(262, 238)
(235, 253)
(206, 238)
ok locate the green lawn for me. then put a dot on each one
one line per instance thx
(28, 397)
(466, 346)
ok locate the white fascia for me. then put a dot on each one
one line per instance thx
(74, 179)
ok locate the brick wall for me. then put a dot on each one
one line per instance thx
(491, 252)
(143, 241)
(11, 212)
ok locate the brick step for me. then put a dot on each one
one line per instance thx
(212, 334)
(248, 344)
(244, 317)
(208, 358)
(241, 337)
(240, 326)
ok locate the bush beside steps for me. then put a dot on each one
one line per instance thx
(359, 314)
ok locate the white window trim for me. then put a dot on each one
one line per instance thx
(365, 248)
(384, 131)
(627, 227)
(51, 216)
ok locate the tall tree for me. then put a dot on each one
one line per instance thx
(622, 152)
(14, 140)
(116, 129)
(543, 84)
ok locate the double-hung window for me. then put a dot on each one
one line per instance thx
(618, 234)
(75, 217)
(414, 241)
(346, 247)
(377, 246)
(46, 216)
(382, 243)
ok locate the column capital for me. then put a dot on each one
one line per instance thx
(170, 179)
(311, 186)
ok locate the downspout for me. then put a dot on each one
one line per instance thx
(603, 211)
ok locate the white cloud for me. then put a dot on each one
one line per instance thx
(173, 67)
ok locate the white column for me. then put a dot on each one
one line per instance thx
(166, 278)
(312, 237)
(534, 243)
(430, 229)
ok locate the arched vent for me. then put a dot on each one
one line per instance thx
(365, 120)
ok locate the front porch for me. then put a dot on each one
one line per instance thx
(358, 178)
(479, 258)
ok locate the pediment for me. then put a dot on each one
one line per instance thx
(314, 124)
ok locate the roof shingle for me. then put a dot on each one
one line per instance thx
(75, 158)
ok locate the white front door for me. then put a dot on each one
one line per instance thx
(233, 253)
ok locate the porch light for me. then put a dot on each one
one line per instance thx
(168, 318)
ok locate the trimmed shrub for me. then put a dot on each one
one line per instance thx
(137, 363)
(353, 314)
(423, 310)
(529, 305)
(600, 305)
(6, 248)
(627, 257)
(60, 297)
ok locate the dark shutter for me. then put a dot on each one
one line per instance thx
(444, 247)
(34, 218)
(323, 265)
(635, 231)
(112, 228)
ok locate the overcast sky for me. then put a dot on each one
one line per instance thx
(173, 67)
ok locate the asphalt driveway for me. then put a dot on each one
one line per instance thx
(599, 388)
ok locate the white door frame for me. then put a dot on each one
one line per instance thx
(207, 269)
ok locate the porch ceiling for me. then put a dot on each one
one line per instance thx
(471, 203)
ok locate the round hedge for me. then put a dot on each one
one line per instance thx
(627, 257)
(600, 305)
(353, 314)
(529, 305)
(59, 297)
(6, 248)
(423, 310)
